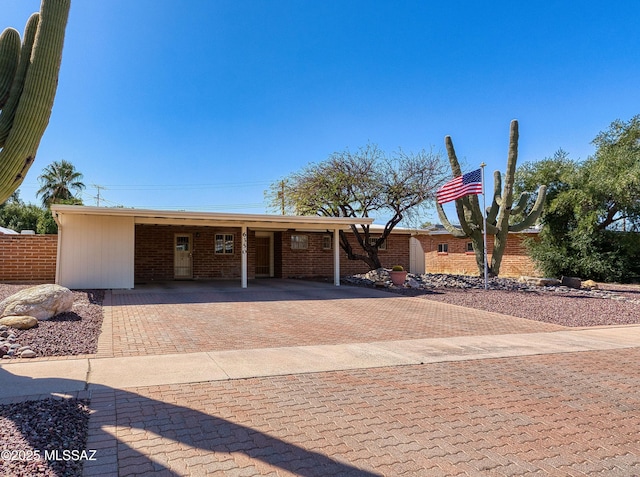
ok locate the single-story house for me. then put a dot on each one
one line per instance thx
(118, 247)
(102, 247)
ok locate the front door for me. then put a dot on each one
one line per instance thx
(263, 256)
(183, 257)
(416, 257)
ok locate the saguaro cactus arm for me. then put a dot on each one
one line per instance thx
(521, 203)
(9, 58)
(531, 218)
(492, 211)
(502, 221)
(457, 232)
(37, 93)
(15, 93)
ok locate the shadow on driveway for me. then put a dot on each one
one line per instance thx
(191, 428)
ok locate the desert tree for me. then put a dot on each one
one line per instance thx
(364, 183)
(592, 215)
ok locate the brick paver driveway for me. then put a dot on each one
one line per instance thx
(276, 313)
(557, 414)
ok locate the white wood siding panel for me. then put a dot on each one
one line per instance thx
(96, 252)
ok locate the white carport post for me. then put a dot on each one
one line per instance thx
(245, 246)
(336, 257)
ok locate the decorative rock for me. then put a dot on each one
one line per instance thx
(572, 282)
(590, 285)
(540, 282)
(19, 322)
(28, 354)
(42, 302)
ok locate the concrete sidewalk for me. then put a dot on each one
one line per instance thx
(25, 378)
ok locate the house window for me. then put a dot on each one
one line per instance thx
(299, 242)
(224, 244)
(372, 242)
(469, 247)
(326, 242)
(182, 243)
(443, 248)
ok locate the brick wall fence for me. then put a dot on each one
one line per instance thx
(28, 258)
(457, 260)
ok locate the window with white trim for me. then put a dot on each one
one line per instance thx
(469, 247)
(224, 244)
(299, 242)
(443, 248)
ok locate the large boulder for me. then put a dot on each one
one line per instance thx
(19, 322)
(42, 302)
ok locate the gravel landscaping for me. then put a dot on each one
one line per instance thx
(38, 438)
(67, 334)
(608, 305)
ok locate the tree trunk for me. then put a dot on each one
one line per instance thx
(371, 259)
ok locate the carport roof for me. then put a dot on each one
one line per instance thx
(165, 217)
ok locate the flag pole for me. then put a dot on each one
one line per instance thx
(484, 230)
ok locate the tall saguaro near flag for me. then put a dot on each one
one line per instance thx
(28, 83)
(498, 215)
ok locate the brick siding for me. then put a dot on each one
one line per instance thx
(515, 261)
(28, 258)
(154, 249)
(154, 253)
(316, 262)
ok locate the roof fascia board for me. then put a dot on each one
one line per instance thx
(270, 226)
(151, 216)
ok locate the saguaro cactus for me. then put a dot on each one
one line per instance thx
(28, 82)
(498, 214)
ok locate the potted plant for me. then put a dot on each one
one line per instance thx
(398, 275)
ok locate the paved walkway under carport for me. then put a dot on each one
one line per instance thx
(420, 389)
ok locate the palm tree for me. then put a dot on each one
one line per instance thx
(56, 182)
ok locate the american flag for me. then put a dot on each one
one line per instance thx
(466, 184)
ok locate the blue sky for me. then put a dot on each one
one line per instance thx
(200, 104)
